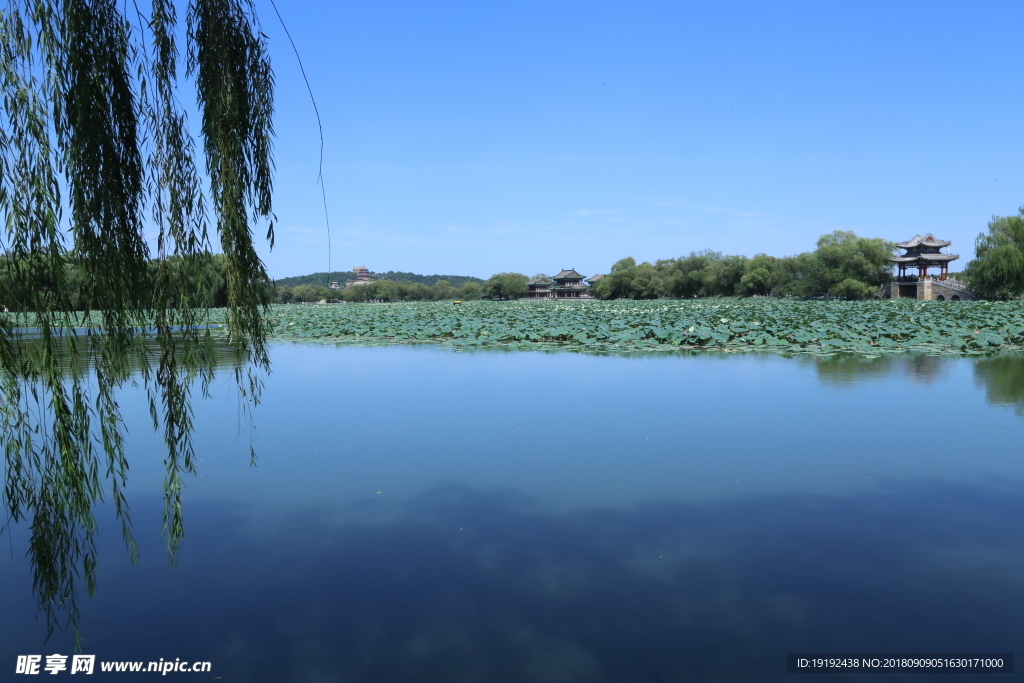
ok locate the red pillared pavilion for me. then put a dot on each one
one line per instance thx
(923, 253)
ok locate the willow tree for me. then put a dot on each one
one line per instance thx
(998, 270)
(95, 151)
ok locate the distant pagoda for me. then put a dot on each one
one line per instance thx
(922, 253)
(363, 276)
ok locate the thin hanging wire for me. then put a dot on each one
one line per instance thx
(319, 125)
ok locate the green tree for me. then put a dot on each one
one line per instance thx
(304, 293)
(764, 276)
(684, 277)
(851, 289)
(618, 284)
(647, 283)
(383, 290)
(631, 281)
(505, 286)
(841, 255)
(723, 275)
(443, 290)
(704, 273)
(356, 293)
(417, 291)
(93, 144)
(997, 272)
(469, 291)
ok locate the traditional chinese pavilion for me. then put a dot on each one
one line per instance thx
(569, 285)
(538, 288)
(922, 253)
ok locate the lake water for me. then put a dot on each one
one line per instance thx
(423, 515)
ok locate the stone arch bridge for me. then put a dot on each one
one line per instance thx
(927, 289)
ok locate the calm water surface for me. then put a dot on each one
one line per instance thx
(422, 515)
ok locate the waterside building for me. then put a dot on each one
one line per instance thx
(568, 284)
(923, 253)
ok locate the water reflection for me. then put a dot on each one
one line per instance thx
(79, 353)
(919, 369)
(1002, 376)
(463, 584)
(62, 432)
(421, 515)
(1003, 380)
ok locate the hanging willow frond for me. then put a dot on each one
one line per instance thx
(95, 151)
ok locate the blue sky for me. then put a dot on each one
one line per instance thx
(472, 138)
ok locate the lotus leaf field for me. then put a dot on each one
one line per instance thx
(783, 326)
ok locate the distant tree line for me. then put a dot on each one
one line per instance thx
(205, 285)
(325, 279)
(390, 286)
(208, 285)
(453, 280)
(316, 279)
(381, 290)
(500, 286)
(844, 265)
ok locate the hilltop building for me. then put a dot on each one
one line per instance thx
(363, 276)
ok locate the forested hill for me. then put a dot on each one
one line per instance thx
(321, 279)
(453, 280)
(324, 279)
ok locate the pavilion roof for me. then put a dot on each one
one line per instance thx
(539, 281)
(926, 241)
(595, 278)
(921, 258)
(568, 275)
